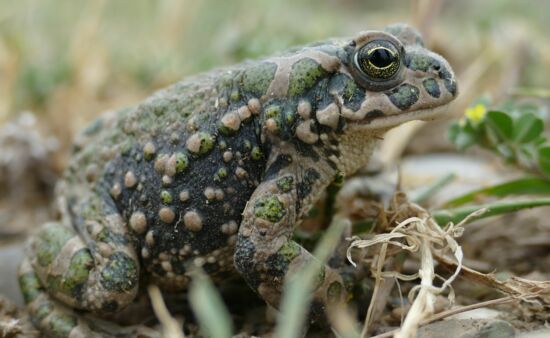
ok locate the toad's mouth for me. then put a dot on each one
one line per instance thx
(427, 114)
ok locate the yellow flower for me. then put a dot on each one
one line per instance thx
(476, 113)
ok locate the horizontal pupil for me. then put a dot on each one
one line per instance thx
(381, 58)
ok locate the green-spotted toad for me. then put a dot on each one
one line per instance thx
(216, 171)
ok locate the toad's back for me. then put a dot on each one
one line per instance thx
(179, 168)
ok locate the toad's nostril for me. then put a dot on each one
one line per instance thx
(437, 68)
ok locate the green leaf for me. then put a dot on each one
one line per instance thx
(209, 308)
(501, 123)
(527, 128)
(462, 136)
(456, 215)
(523, 186)
(544, 159)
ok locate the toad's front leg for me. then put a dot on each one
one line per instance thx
(265, 254)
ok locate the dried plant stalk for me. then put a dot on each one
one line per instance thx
(415, 234)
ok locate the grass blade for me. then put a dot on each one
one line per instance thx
(297, 295)
(456, 215)
(212, 315)
(523, 186)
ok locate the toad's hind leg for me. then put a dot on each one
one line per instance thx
(52, 318)
(55, 319)
(89, 265)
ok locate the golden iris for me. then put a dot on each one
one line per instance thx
(379, 60)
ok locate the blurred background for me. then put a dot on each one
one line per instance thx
(63, 62)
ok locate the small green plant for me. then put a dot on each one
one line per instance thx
(515, 132)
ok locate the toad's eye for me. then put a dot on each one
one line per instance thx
(378, 60)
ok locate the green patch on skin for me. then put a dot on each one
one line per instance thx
(148, 156)
(166, 197)
(222, 145)
(404, 96)
(272, 112)
(53, 284)
(61, 324)
(120, 274)
(334, 292)
(42, 310)
(206, 143)
(225, 130)
(30, 286)
(110, 237)
(432, 87)
(234, 96)
(290, 117)
(285, 183)
(289, 251)
(257, 78)
(181, 162)
(278, 263)
(78, 271)
(350, 88)
(269, 208)
(220, 174)
(420, 62)
(257, 153)
(50, 242)
(345, 87)
(304, 75)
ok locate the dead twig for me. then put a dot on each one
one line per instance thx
(418, 233)
(519, 288)
(415, 232)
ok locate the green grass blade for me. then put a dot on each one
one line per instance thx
(456, 215)
(297, 295)
(523, 186)
(213, 317)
